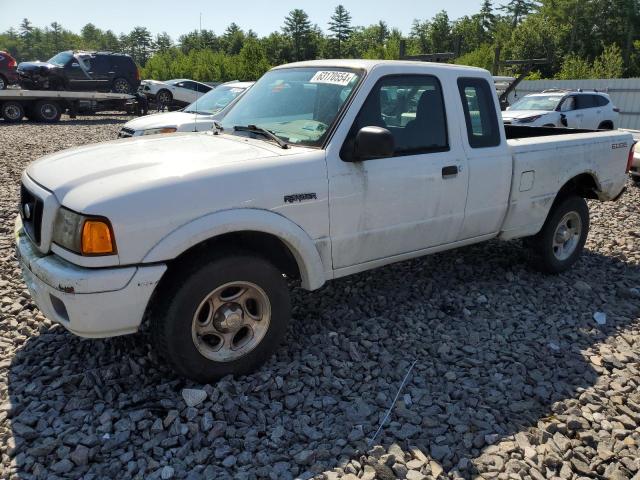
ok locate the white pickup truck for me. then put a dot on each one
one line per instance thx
(323, 169)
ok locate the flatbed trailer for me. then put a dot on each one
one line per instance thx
(48, 105)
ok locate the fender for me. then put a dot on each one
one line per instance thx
(239, 220)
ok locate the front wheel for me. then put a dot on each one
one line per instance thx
(560, 242)
(223, 317)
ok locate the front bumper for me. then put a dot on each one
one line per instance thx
(89, 302)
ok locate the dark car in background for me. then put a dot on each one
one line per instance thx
(8, 74)
(82, 71)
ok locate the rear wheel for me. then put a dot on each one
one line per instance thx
(12, 111)
(225, 316)
(121, 85)
(47, 111)
(164, 97)
(560, 242)
(606, 126)
(3, 82)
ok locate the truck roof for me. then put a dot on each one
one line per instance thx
(371, 64)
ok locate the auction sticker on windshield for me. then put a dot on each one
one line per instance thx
(334, 78)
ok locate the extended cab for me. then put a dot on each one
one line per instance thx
(322, 169)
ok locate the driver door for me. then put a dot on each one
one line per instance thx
(410, 201)
(571, 117)
(77, 77)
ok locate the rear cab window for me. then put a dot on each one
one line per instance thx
(483, 128)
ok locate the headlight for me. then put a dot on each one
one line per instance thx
(154, 131)
(82, 234)
(528, 119)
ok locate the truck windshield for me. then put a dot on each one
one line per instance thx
(61, 59)
(215, 100)
(538, 102)
(299, 105)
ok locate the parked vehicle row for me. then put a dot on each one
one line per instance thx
(564, 108)
(321, 169)
(196, 117)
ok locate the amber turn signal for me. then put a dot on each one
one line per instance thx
(97, 238)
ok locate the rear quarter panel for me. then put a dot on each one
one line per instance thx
(543, 165)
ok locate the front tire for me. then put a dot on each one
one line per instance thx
(219, 317)
(561, 241)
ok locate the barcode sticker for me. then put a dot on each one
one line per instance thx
(333, 78)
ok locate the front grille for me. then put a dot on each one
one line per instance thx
(31, 208)
(126, 132)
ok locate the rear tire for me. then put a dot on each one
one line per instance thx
(561, 241)
(164, 97)
(605, 126)
(12, 111)
(47, 111)
(206, 328)
(3, 82)
(121, 85)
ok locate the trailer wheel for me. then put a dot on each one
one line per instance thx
(47, 111)
(12, 111)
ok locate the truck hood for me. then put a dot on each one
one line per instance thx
(36, 66)
(511, 114)
(181, 120)
(84, 178)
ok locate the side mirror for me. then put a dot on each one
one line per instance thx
(373, 142)
(75, 65)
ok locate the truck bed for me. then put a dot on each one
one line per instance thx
(521, 131)
(538, 174)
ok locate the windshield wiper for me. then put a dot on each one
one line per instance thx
(262, 131)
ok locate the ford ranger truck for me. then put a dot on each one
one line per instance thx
(322, 169)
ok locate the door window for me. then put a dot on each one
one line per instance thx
(585, 101)
(480, 112)
(411, 108)
(568, 104)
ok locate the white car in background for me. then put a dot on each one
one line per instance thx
(197, 117)
(179, 91)
(589, 110)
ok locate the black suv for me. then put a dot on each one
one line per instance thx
(92, 71)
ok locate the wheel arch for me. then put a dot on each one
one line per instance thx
(264, 232)
(585, 185)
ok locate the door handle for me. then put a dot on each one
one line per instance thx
(449, 171)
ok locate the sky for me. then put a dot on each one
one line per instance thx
(180, 16)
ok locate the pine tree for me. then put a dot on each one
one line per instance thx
(340, 25)
(298, 27)
(518, 9)
(487, 18)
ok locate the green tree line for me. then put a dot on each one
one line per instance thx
(579, 38)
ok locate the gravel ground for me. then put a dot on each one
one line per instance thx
(513, 377)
